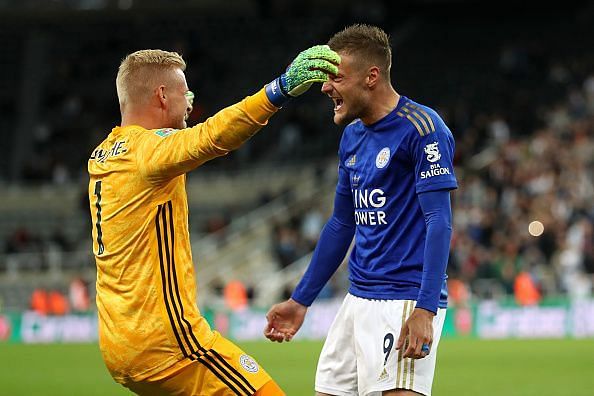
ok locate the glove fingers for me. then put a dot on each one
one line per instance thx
(307, 76)
(300, 89)
(317, 76)
(312, 76)
(311, 66)
(323, 65)
(321, 52)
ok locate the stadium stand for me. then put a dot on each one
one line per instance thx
(515, 84)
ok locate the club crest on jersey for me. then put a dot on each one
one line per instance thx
(383, 157)
(165, 132)
(432, 152)
(351, 161)
(248, 364)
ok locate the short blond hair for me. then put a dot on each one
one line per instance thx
(141, 71)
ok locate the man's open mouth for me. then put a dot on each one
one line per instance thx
(337, 103)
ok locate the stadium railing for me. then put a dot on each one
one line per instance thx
(246, 251)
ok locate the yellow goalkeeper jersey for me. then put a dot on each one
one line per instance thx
(146, 291)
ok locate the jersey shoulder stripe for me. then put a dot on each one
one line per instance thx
(405, 113)
(422, 111)
(418, 117)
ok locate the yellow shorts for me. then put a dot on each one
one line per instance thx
(223, 370)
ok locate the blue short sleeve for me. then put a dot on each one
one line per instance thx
(433, 154)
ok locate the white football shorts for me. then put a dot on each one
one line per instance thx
(359, 356)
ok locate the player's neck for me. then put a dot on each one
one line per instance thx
(384, 102)
(142, 119)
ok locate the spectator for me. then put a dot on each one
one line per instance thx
(235, 294)
(526, 290)
(40, 301)
(78, 294)
(58, 303)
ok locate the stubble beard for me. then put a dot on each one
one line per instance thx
(355, 111)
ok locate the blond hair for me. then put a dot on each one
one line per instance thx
(142, 71)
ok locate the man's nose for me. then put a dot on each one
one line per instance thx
(326, 87)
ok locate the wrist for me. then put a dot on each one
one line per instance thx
(424, 312)
(296, 300)
(274, 91)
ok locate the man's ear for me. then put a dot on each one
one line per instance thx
(372, 76)
(161, 96)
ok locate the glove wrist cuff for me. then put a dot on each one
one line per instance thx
(275, 92)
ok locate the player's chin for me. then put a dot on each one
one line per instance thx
(342, 119)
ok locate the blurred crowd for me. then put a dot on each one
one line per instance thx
(519, 100)
(530, 208)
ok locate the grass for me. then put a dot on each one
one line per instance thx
(515, 367)
(465, 367)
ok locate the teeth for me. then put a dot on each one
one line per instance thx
(337, 104)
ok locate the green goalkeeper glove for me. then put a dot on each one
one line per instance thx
(310, 66)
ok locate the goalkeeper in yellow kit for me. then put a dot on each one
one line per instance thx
(152, 336)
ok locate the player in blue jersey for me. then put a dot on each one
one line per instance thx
(393, 195)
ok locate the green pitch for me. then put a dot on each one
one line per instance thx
(465, 367)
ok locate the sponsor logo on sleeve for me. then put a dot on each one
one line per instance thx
(432, 152)
(433, 155)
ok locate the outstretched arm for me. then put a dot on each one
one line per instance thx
(168, 153)
(286, 318)
(331, 248)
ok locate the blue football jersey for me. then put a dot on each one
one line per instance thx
(383, 167)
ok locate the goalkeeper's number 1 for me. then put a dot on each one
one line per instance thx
(100, 247)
